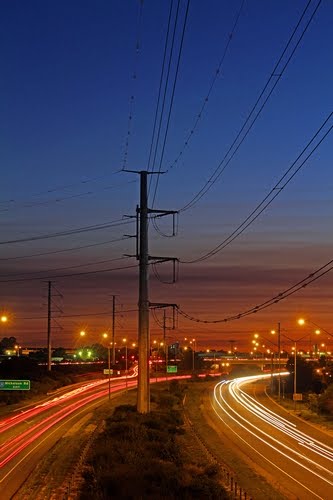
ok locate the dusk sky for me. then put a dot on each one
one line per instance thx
(79, 91)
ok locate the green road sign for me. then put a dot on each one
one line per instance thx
(14, 385)
(171, 369)
(107, 372)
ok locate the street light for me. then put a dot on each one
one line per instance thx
(4, 318)
(194, 344)
(279, 357)
(80, 343)
(105, 336)
(300, 322)
(125, 342)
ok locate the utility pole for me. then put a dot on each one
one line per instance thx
(232, 346)
(49, 325)
(143, 400)
(50, 318)
(279, 361)
(113, 330)
(163, 305)
(142, 255)
(164, 334)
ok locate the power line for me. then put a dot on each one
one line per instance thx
(270, 197)
(165, 87)
(172, 99)
(276, 73)
(84, 229)
(160, 86)
(64, 187)
(72, 249)
(212, 84)
(310, 278)
(72, 275)
(134, 78)
(104, 313)
(158, 230)
(33, 204)
(96, 262)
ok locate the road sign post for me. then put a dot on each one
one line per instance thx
(14, 385)
(172, 369)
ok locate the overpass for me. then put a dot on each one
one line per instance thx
(262, 362)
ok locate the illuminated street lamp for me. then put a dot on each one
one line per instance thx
(300, 322)
(82, 334)
(105, 336)
(125, 342)
(193, 342)
(273, 332)
(4, 318)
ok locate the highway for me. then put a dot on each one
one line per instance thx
(291, 454)
(29, 432)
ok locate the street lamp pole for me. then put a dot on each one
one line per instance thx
(126, 366)
(113, 329)
(193, 342)
(125, 342)
(301, 321)
(295, 371)
(279, 360)
(105, 336)
(109, 370)
(164, 340)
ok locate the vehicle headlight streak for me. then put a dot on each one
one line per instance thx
(62, 407)
(12, 447)
(282, 425)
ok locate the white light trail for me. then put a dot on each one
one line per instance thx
(253, 409)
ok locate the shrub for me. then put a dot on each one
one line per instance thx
(139, 456)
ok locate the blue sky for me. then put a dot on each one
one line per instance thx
(67, 92)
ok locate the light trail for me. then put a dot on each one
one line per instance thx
(61, 407)
(11, 421)
(244, 410)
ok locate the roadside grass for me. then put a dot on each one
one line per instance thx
(146, 455)
(300, 409)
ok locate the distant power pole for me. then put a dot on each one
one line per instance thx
(50, 296)
(232, 345)
(49, 283)
(113, 330)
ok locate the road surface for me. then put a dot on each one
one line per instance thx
(290, 453)
(29, 432)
